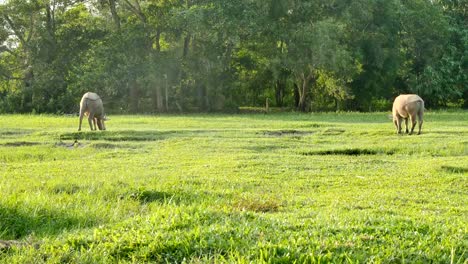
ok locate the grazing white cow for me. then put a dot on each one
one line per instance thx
(91, 106)
(408, 106)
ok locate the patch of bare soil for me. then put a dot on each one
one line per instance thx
(334, 131)
(350, 152)
(70, 145)
(7, 244)
(279, 133)
(20, 144)
(14, 133)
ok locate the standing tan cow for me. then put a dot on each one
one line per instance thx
(408, 106)
(91, 106)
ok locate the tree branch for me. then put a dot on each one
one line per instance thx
(136, 9)
(15, 30)
(31, 28)
(115, 15)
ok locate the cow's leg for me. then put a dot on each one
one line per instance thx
(406, 125)
(99, 123)
(397, 122)
(420, 118)
(103, 126)
(90, 120)
(413, 123)
(81, 120)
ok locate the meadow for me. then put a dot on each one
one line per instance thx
(251, 188)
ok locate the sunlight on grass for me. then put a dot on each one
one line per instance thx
(277, 188)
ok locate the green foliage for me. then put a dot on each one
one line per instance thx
(322, 187)
(203, 56)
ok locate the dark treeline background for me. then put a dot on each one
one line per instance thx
(216, 55)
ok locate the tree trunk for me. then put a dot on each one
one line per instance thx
(296, 96)
(166, 93)
(465, 95)
(201, 92)
(186, 46)
(50, 25)
(158, 40)
(305, 82)
(184, 86)
(115, 16)
(302, 93)
(134, 94)
(279, 92)
(158, 99)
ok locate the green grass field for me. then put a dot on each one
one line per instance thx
(279, 188)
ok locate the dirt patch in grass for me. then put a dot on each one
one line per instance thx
(148, 196)
(14, 133)
(127, 135)
(448, 132)
(257, 205)
(264, 148)
(334, 131)
(454, 169)
(358, 207)
(8, 244)
(350, 152)
(70, 145)
(100, 145)
(107, 146)
(20, 144)
(65, 188)
(280, 133)
(314, 125)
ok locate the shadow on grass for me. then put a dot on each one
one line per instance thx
(110, 146)
(151, 196)
(65, 188)
(333, 131)
(290, 132)
(132, 135)
(17, 222)
(454, 169)
(350, 152)
(265, 148)
(447, 132)
(126, 135)
(15, 132)
(146, 196)
(20, 144)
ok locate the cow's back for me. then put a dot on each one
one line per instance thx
(91, 102)
(407, 104)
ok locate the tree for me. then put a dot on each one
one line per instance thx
(213, 55)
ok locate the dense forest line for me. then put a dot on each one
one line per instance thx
(216, 55)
